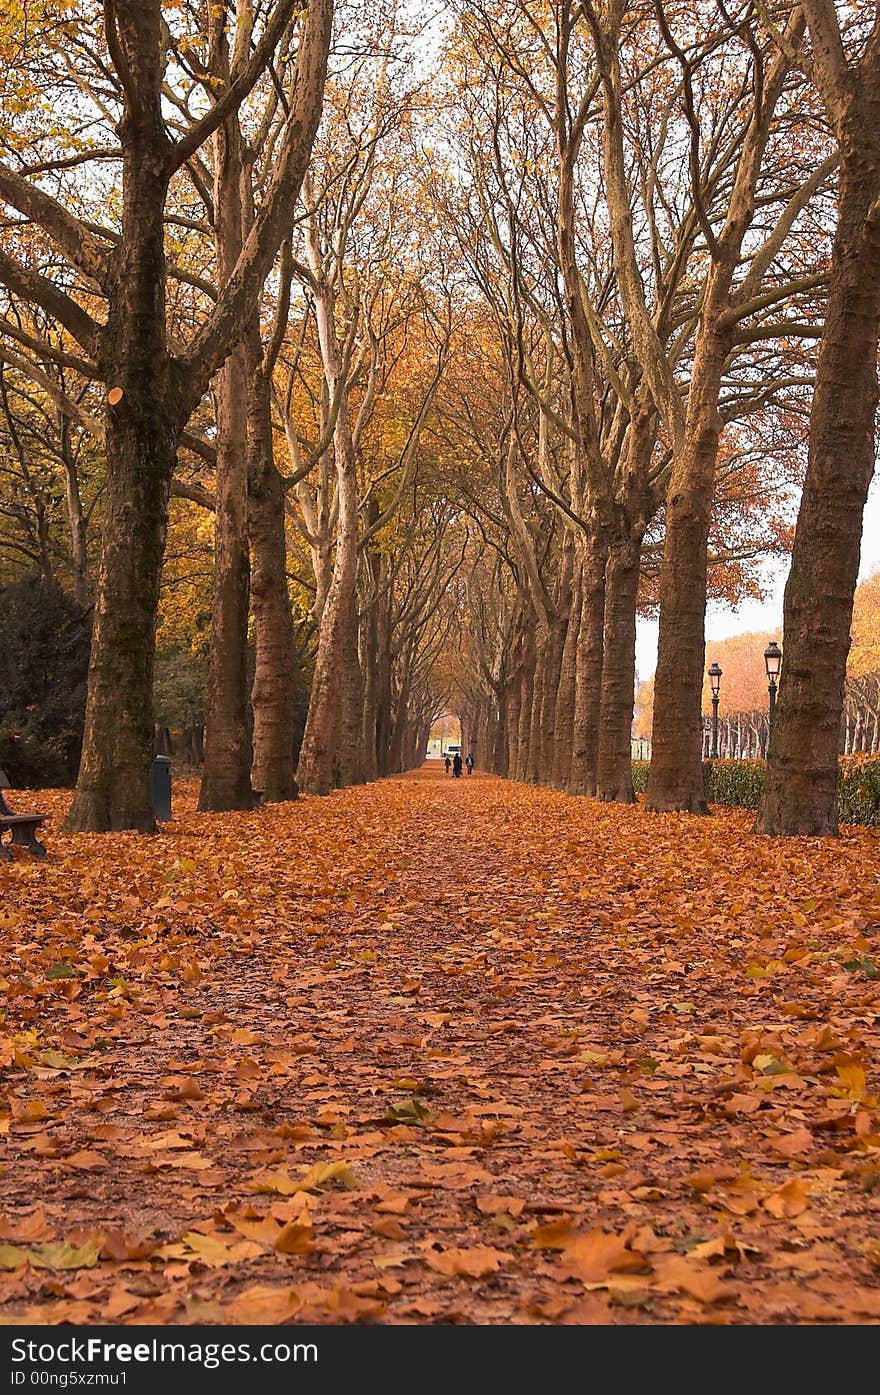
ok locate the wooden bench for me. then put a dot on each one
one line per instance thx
(23, 828)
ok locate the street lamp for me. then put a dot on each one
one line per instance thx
(715, 672)
(773, 664)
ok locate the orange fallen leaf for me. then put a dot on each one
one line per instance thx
(794, 1144)
(852, 1079)
(789, 1200)
(183, 1088)
(684, 1274)
(595, 1255)
(555, 1235)
(262, 1304)
(474, 1263)
(295, 1238)
(394, 1205)
(86, 1160)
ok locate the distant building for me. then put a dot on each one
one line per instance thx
(445, 736)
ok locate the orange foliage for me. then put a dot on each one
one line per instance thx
(864, 656)
(744, 684)
(439, 1051)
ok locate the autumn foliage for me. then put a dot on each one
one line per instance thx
(440, 1051)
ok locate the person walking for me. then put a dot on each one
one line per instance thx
(470, 763)
(448, 764)
(456, 766)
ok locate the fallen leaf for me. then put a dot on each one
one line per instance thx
(595, 1255)
(788, 1200)
(474, 1263)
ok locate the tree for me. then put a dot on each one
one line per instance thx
(800, 791)
(153, 386)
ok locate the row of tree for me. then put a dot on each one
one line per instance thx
(648, 215)
(229, 328)
(443, 354)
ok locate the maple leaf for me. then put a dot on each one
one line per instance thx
(595, 1255)
(295, 1238)
(475, 1263)
(262, 1304)
(788, 1200)
(685, 1274)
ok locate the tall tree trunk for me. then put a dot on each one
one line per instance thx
(113, 787)
(588, 667)
(273, 695)
(368, 652)
(675, 780)
(563, 718)
(317, 757)
(514, 703)
(619, 671)
(526, 695)
(800, 788)
(399, 725)
(555, 642)
(540, 681)
(383, 686)
(369, 657)
(350, 762)
(141, 433)
(226, 779)
(499, 745)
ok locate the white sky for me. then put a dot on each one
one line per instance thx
(766, 615)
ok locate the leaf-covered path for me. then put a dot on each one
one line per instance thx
(443, 1051)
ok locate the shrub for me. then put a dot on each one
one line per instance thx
(738, 784)
(640, 775)
(858, 797)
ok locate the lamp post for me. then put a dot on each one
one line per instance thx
(715, 672)
(773, 664)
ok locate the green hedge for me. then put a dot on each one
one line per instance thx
(738, 783)
(640, 775)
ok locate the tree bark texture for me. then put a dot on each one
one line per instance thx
(141, 433)
(588, 668)
(273, 696)
(226, 779)
(614, 780)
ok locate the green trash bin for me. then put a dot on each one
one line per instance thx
(160, 788)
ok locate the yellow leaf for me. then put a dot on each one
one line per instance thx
(789, 1200)
(852, 1078)
(214, 1252)
(322, 1173)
